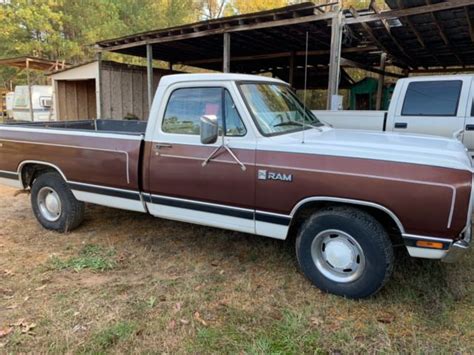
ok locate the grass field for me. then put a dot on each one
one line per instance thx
(126, 282)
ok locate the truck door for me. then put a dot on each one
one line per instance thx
(468, 136)
(435, 107)
(179, 186)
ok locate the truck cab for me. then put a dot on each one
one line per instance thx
(437, 105)
(441, 105)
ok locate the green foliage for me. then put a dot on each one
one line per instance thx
(91, 257)
(110, 336)
(67, 29)
(289, 335)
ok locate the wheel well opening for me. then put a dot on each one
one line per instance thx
(30, 171)
(381, 216)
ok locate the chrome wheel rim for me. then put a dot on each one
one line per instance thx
(338, 256)
(49, 204)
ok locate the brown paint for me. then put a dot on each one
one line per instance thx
(405, 189)
(222, 181)
(422, 208)
(80, 158)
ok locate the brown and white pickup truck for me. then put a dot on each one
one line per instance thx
(242, 153)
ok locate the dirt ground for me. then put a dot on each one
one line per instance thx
(130, 283)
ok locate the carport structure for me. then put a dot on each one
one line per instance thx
(414, 36)
(28, 63)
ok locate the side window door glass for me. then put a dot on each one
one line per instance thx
(432, 98)
(233, 122)
(186, 107)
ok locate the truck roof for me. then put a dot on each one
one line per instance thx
(437, 77)
(175, 78)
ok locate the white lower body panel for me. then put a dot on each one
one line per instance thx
(220, 216)
(271, 230)
(11, 183)
(109, 201)
(202, 218)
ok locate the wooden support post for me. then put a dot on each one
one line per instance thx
(335, 56)
(470, 23)
(98, 89)
(352, 64)
(292, 69)
(149, 73)
(30, 96)
(378, 102)
(226, 55)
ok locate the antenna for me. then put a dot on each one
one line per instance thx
(305, 84)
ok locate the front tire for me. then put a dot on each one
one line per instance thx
(345, 251)
(54, 205)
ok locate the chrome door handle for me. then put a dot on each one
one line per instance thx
(162, 145)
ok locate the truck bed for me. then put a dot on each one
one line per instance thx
(96, 158)
(350, 119)
(105, 126)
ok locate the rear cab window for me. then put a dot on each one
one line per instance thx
(432, 98)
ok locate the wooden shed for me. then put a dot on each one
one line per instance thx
(122, 91)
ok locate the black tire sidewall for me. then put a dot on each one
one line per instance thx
(56, 183)
(371, 238)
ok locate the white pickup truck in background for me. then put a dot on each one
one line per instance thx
(433, 105)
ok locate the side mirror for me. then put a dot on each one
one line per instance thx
(209, 129)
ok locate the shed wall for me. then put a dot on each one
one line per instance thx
(124, 92)
(76, 99)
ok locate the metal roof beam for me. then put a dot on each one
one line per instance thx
(444, 70)
(444, 36)
(276, 55)
(374, 38)
(447, 5)
(389, 31)
(417, 34)
(350, 63)
(222, 29)
(469, 22)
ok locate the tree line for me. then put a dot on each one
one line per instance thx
(66, 30)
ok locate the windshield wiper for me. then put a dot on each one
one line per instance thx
(288, 123)
(316, 125)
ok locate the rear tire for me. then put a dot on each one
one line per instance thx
(345, 251)
(54, 205)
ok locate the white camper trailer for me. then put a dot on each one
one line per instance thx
(41, 103)
(9, 99)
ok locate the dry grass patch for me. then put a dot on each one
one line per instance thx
(126, 282)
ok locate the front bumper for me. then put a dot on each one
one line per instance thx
(450, 252)
(460, 247)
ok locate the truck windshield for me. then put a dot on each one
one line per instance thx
(276, 109)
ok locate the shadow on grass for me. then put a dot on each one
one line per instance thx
(429, 289)
(429, 282)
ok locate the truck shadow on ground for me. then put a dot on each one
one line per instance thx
(432, 287)
(245, 287)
